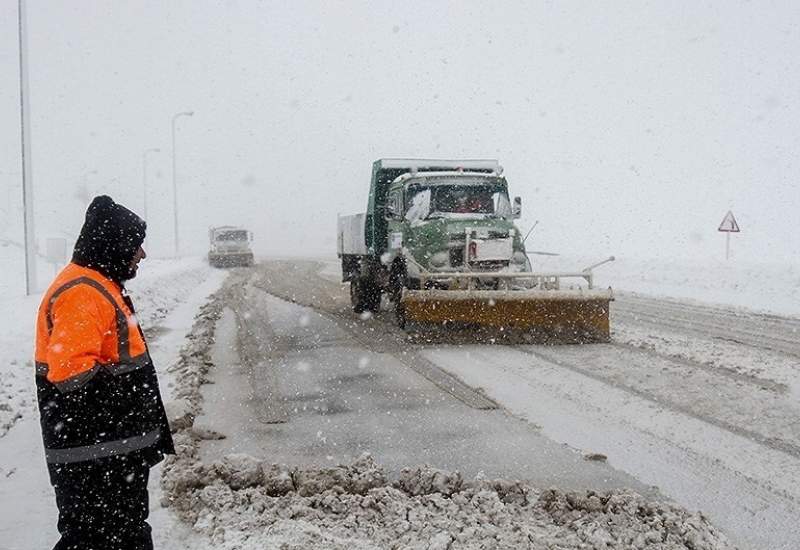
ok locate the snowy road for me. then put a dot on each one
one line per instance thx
(346, 387)
(700, 402)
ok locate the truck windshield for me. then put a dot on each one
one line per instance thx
(232, 236)
(470, 200)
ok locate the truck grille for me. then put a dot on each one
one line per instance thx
(457, 260)
(492, 265)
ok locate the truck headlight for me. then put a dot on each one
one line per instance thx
(440, 259)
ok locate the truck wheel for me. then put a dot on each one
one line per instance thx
(356, 296)
(400, 314)
(372, 297)
(365, 295)
(398, 280)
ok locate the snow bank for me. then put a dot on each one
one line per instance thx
(240, 502)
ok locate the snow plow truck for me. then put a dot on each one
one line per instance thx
(438, 238)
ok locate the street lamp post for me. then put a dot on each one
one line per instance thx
(174, 180)
(27, 178)
(144, 178)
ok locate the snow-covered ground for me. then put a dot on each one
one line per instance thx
(168, 294)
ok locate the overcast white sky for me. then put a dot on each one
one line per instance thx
(628, 128)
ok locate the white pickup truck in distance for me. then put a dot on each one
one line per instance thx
(229, 246)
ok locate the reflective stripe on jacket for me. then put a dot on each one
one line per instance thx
(97, 387)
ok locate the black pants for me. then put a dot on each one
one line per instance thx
(102, 504)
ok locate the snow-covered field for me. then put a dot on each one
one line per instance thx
(767, 287)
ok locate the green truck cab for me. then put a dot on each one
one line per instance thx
(427, 219)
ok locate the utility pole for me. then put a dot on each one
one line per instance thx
(25, 136)
(174, 180)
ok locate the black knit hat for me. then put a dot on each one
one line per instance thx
(109, 239)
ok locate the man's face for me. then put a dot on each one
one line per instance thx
(137, 257)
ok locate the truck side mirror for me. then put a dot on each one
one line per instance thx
(516, 210)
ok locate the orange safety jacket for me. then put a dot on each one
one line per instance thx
(96, 385)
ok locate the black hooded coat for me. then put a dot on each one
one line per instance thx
(115, 405)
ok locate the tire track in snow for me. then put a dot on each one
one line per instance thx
(624, 358)
(763, 331)
(748, 489)
(371, 333)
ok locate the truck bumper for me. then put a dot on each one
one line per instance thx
(231, 260)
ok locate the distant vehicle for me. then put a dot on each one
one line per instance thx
(229, 246)
(438, 237)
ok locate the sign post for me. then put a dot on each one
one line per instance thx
(728, 226)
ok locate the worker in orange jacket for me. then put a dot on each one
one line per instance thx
(102, 417)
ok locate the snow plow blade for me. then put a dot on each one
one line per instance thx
(548, 315)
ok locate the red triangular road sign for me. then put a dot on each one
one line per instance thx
(729, 224)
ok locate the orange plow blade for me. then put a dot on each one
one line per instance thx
(555, 315)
